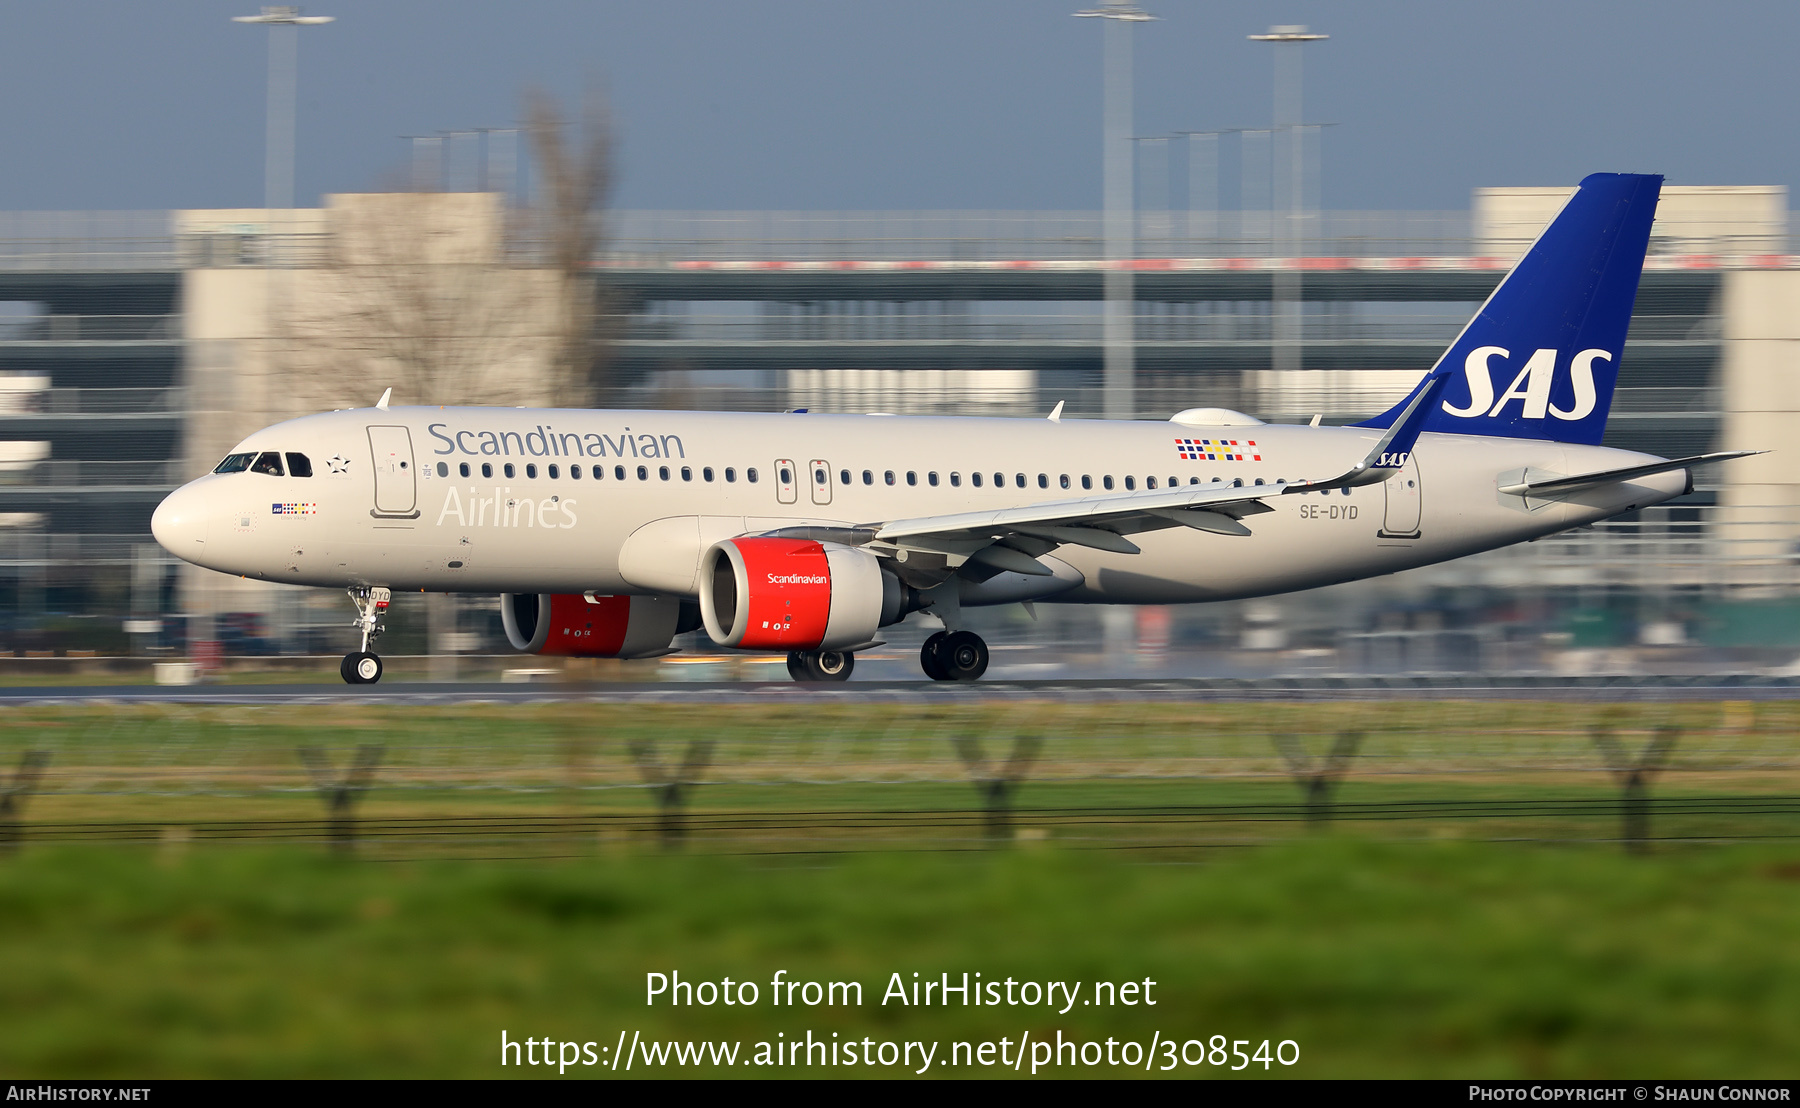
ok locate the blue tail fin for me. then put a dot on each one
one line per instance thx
(1554, 329)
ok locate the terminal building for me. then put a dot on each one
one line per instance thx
(135, 348)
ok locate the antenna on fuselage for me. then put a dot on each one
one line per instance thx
(385, 397)
(1055, 415)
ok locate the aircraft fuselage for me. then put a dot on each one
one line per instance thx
(569, 501)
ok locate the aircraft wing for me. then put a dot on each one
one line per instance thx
(1013, 538)
(1560, 485)
(1096, 521)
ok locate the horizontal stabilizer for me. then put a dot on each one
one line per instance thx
(1559, 485)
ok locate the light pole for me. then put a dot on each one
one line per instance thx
(278, 159)
(1116, 157)
(1288, 308)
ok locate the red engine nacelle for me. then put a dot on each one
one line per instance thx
(793, 594)
(590, 626)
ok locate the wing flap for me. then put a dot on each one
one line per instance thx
(1086, 512)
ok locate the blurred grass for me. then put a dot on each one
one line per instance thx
(1429, 959)
(1428, 947)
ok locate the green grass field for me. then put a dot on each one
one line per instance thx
(1456, 941)
(1379, 959)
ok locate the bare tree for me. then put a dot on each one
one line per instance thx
(574, 169)
(416, 291)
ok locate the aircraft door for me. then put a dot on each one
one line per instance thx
(395, 492)
(1404, 500)
(821, 480)
(786, 489)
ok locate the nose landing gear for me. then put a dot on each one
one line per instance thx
(954, 656)
(363, 667)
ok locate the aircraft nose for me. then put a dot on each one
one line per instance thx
(179, 523)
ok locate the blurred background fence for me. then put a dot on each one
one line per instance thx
(822, 778)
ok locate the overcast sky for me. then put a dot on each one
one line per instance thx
(808, 104)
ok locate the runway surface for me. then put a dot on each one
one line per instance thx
(1611, 689)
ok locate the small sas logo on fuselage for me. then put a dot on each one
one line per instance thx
(1217, 450)
(293, 509)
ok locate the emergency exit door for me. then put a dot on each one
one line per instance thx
(785, 481)
(396, 494)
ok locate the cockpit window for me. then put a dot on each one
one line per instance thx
(235, 463)
(299, 465)
(268, 462)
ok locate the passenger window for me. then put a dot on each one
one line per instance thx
(267, 462)
(618, 473)
(1193, 480)
(531, 470)
(599, 473)
(912, 478)
(487, 469)
(687, 473)
(463, 469)
(443, 468)
(1000, 480)
(931, 479)
(730, 474)
(1106, 482)
(955, 480)
(750, 475)
(552, 471)
(1149, 482)
(843, 477)
(706, 474)
(507, 469)
(1087, 482)
(888, 476)
(235, 463)
(787, 476)
(662, 472)
(299, 465)
(1065, 480)
(868, 477)
(975, 479)
(1130, 483)
(1020, 478)
(575, 473)
(643, 473)
(1044, 482)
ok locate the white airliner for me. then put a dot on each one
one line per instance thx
(607, 533)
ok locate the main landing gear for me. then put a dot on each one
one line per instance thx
(362, 667)
(820, 665)
(954, 656)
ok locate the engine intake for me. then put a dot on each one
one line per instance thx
(796, 594)
(585, 626)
